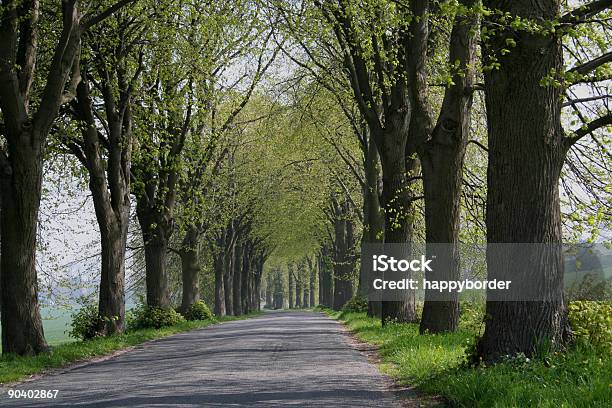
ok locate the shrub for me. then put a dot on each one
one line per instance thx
(145, 317)
(85, 323)
(198, 311)
(357, 304)
(591, 323)
(471, 315)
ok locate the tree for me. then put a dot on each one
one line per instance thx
(30, 100)
(103, 145)
(527, 149)
(442, 159)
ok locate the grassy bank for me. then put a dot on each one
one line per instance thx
(434, 364)
(13, 368)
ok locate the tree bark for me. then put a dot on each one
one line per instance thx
(109, 183)
(21, 161)
(291, 284)
(373, 215)
(312, 283)
(343, 280)
(526, 153)
(442, 158)
(306, 299)
(219, 288)
(237, 277)
(399, 214)
(298, 286)
(22, 331)
(326, 280)
(190, 268)
(244, 281)
(228, 272)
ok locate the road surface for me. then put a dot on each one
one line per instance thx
(297, 359)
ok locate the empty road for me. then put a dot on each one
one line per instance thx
(297, 359)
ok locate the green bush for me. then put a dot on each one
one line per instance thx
(145, 317)
(591, 323)
(471, 316)
(356, 304)
(198, 311)
(85, 323)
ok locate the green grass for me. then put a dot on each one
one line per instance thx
(13, 368)
(434, 364)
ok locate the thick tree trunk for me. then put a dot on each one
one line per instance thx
(526, 153)
(156, 254)
(442, 158)
(374, 218)
(343, 279)
(190, 268)
(326, 280)
(237, 280)
(399, 218)
(219, 288)
(155, 234)
(111, 304)
(110, 190)
(22, 330)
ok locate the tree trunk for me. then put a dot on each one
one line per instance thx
(155, 233)
(399, 218)
(219, 288)
(257, 290)
(526, 153)
(313, 277)
(306, 298)
(291, 284)
(442, 159)
(269, 292)
(326, 281)
(228, 278)
(298, 288)
(374, 217)
(237, 283)
(110, 190)
(22, 330)
(343, 280)
(111, 304)
(245, 271)
(190, 268)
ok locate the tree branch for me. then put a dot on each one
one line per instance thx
(585, 11)
(89, 21)
(589, 127)
(590, 66)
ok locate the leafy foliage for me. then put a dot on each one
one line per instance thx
(198, 311)
(85, 323)
(591, 323)
(356, 304)
(155, 317)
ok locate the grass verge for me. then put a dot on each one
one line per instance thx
(434, 365)
(14, 368)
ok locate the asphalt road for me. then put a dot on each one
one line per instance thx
(297, 359)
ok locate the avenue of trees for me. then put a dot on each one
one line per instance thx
(245, 152)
